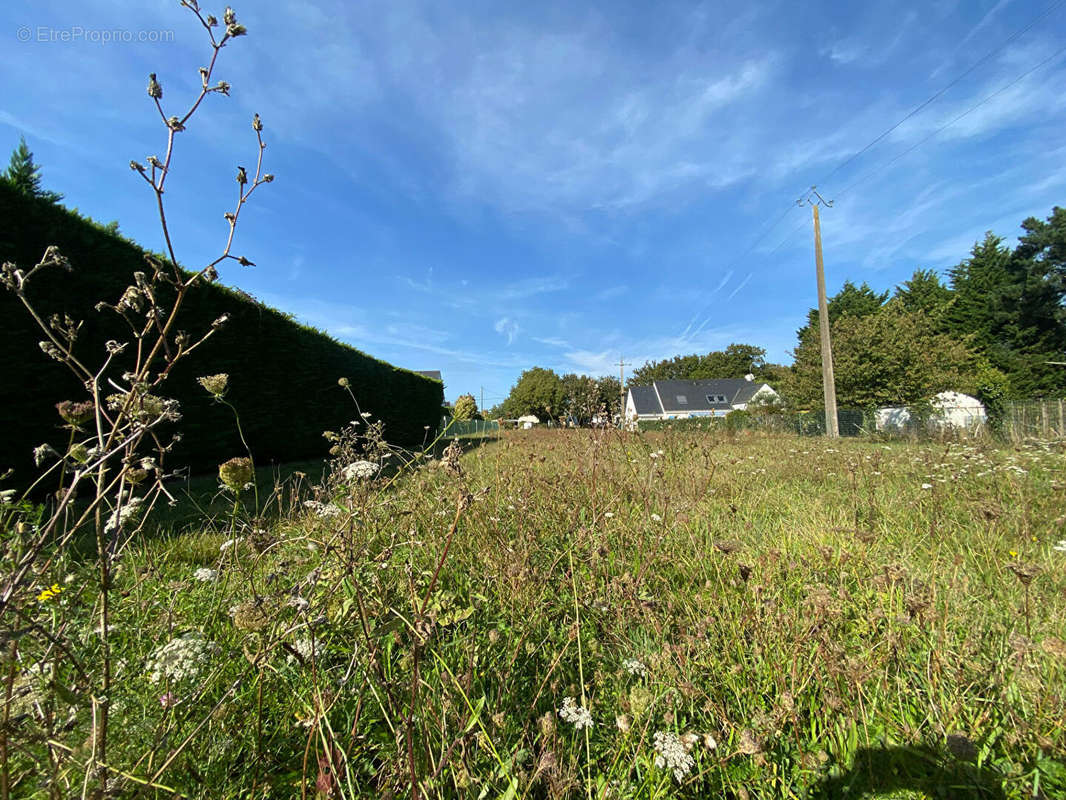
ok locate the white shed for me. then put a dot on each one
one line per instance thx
(951, 411)
(528, 421)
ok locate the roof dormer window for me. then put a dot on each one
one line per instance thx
(682, 400)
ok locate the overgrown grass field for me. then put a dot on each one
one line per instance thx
(578, 614)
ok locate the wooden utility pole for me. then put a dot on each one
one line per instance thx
(829, 390)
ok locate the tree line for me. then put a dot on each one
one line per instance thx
(579, 399)
(994, 327)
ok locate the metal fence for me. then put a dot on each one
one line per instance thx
(850, 421)
(1035, 419)
(469, 427)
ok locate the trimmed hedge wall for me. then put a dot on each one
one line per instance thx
(283, 376)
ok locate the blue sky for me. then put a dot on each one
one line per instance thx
(481, 187)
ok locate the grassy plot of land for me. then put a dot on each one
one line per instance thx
(585, 614)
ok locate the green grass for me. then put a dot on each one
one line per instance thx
(836, 628)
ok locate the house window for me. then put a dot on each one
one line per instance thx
(682, 400)
(716, 398)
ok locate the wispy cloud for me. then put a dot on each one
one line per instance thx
(505, 326)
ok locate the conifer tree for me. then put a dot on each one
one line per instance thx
(25, 175)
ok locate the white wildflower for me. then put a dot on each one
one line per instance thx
(226, 545)
(181, 659)
(635, 666)
(322, 509)
(672, 754)
(126, 513)
(608, 515)
(578, 715)
(927, 486)
(42, 452)
(1061, 546)
(656, 518)
(360, 471)
(205, 575)
(307, 651)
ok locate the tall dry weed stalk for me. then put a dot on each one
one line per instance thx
(118, 441)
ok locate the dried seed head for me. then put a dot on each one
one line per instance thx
(249, 616)
(235, 30)
(235, 473)
(229, 16)
(242, 176)
(75, 413)
(222, 87)
(155, 91)
(1024, 572)
(215, 384)
(257, 124)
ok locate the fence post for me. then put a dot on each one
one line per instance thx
(1043, 418)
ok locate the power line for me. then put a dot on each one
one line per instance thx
(917, 109)
(947, 125)
(944, 89)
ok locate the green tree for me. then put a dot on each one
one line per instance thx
(539, 392)
(581, 397)
(25, 175)
(465, 408)
(1009, 304)
(892, 357)
(924, 292)
(610, 392)
(736, 361)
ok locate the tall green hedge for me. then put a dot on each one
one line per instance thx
(283, 376)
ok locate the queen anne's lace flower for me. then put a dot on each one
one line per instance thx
(322, 509)
(306, 650)
(580, 716)
(123, 516)
(205, 575)
(181, 659)
(635, 666)
(672, 754)
(360, 471)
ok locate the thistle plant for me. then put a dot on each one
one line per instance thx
(119, 436)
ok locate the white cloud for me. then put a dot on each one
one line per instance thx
(505, 326)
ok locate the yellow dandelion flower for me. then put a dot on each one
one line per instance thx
(1013, 553)
(51, 593)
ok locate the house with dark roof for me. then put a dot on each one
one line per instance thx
(682, 399)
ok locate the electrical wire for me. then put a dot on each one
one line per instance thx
(944, 89)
